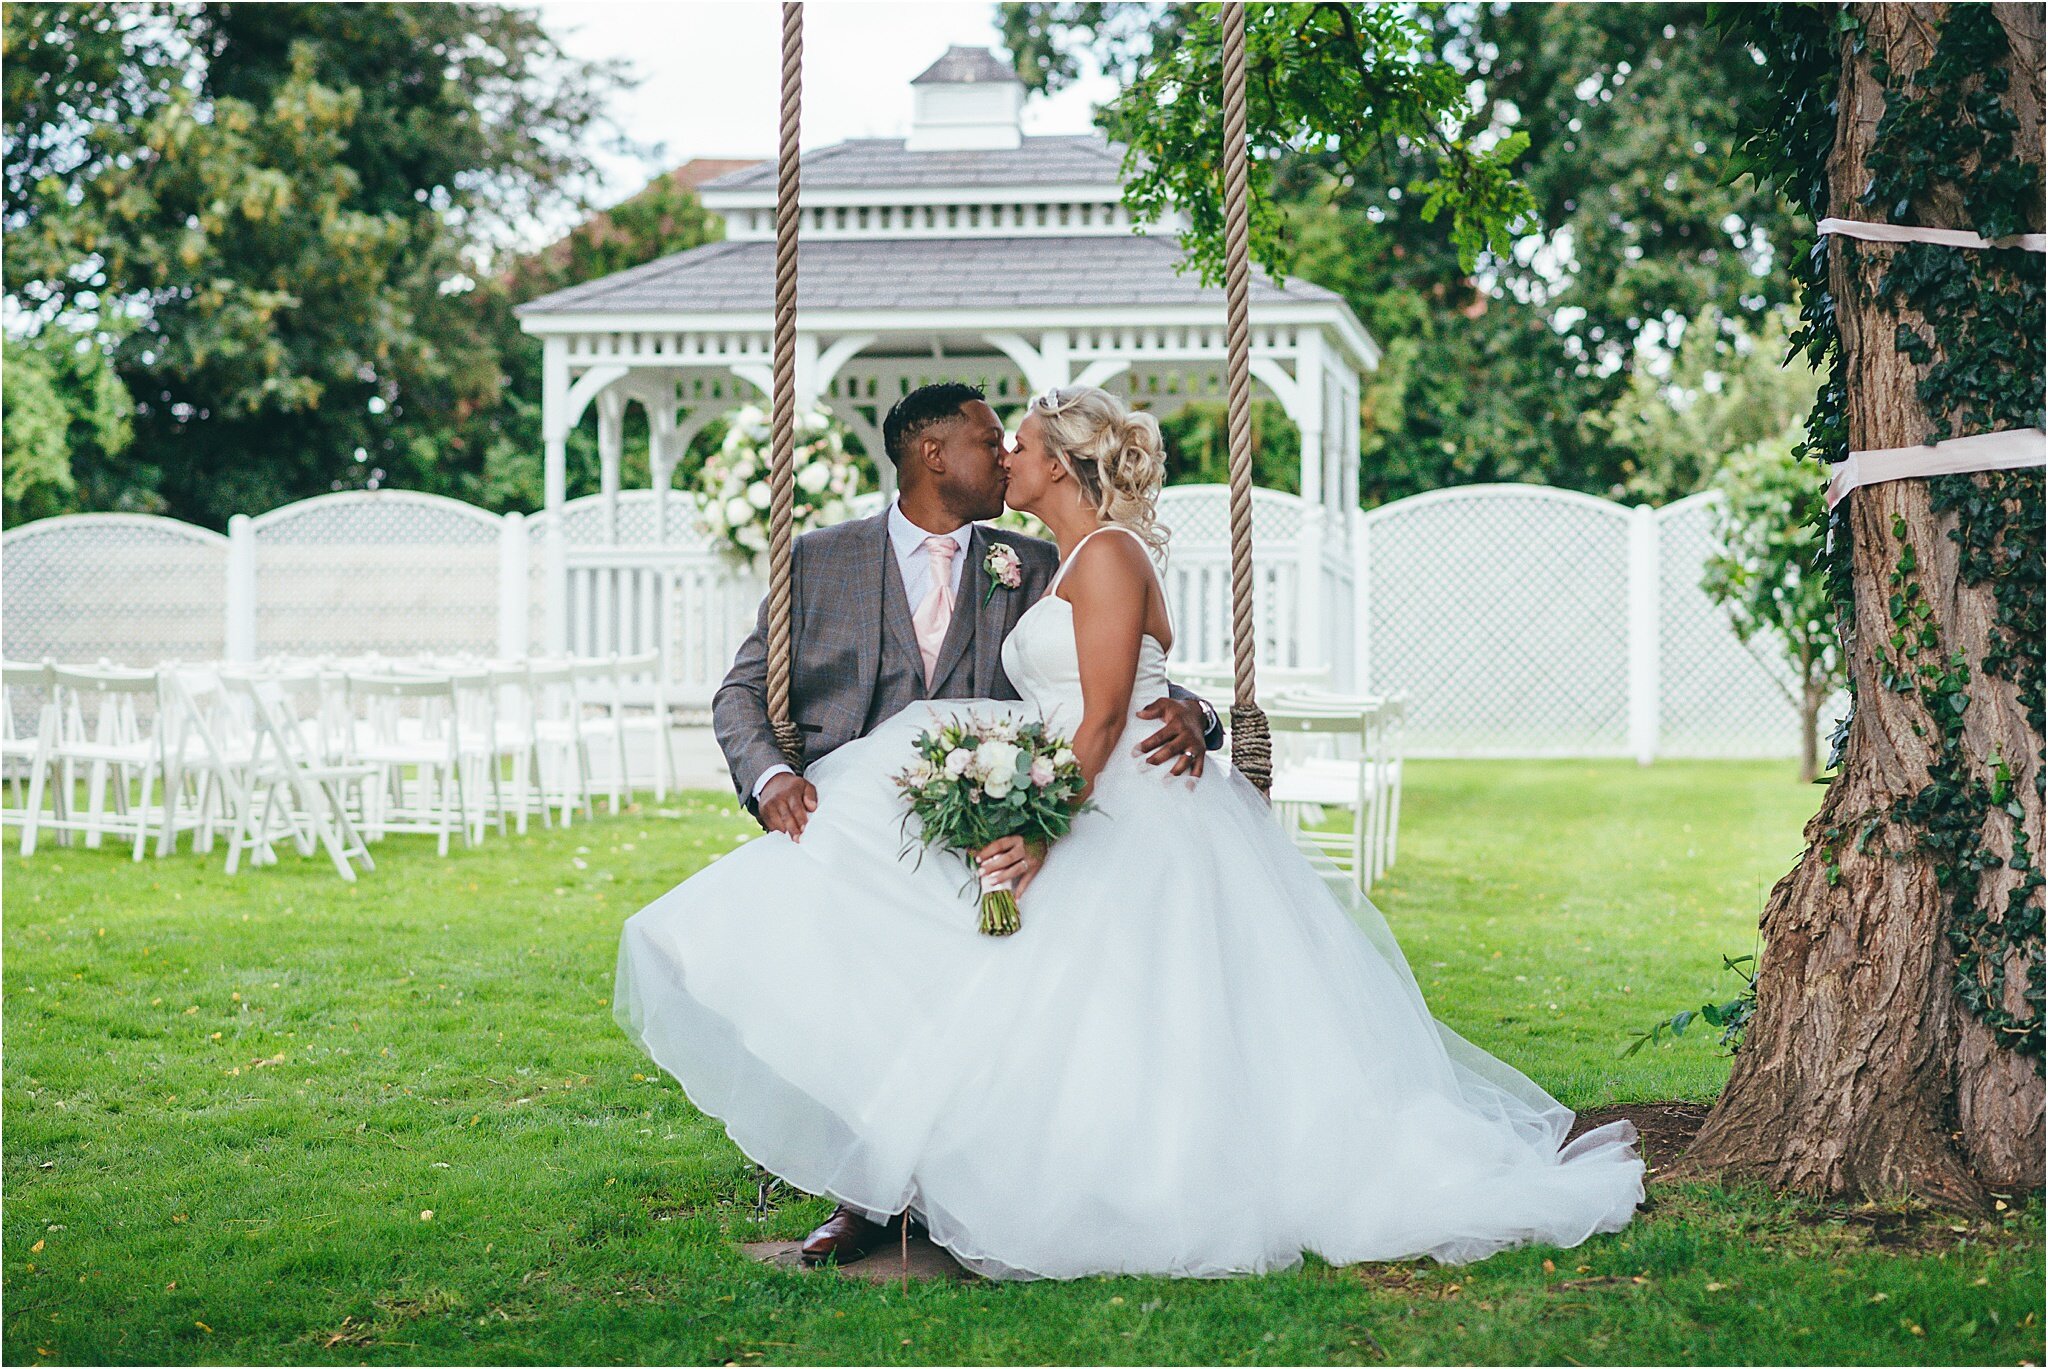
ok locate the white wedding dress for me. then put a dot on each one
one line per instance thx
(1200, 1056)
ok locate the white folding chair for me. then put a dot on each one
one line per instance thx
(1320, 762)
(480, 743)
(27, 755)
(291, 791)
(209, 756)
(103, 723)
(1389, 746)
(517, 713)
(636, 677)
(558, 729)
(600, 717)
(389, 735)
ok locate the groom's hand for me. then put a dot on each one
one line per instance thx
(786, 803)
(1181, 740)
(1011, 860)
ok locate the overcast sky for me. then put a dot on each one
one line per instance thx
(711, 69)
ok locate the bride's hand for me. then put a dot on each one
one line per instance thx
(1012, 861)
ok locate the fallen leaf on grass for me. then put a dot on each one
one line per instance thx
(351, 1332)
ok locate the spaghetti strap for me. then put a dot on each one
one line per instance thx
(1165, 600)
(1061, 573)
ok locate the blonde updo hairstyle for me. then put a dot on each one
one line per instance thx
(1114, 454)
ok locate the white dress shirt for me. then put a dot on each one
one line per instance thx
(915, 562)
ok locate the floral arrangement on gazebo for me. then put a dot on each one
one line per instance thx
(732, 487)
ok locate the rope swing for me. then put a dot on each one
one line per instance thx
(782, 403)
(1251, 746)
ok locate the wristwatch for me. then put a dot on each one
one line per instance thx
(1211, 724)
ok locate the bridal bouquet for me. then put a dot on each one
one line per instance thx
(976, 781)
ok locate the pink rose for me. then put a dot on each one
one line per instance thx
(1041, 772)
(1003, 568)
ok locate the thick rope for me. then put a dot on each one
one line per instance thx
(782, 406)
(1251, 746)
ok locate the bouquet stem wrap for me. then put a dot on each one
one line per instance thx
(998, 908)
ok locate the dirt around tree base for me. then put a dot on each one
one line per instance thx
(1665, 1129)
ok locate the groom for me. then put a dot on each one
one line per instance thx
(888, 610)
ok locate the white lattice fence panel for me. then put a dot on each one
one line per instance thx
(132, 588)
(390, 570)
(1502, 612)
(1716, 697)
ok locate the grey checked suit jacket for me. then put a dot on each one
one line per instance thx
(857, 661)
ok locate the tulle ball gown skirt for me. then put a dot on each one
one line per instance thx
(1199, 1056)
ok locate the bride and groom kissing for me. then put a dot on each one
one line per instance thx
(1198, 1058)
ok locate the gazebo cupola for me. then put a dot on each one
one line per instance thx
(967, 99)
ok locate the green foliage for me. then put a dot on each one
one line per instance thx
(1731, 1016)
(1724, 390)
(67, 426)
(1350, 82)
(1950, 117)
(1945, 821)
(1197, 438)
(1511, 372)
(33, 438)
(293, 204)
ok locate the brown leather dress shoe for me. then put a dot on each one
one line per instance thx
(844, 1237)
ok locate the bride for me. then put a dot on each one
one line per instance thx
(1199, 1056)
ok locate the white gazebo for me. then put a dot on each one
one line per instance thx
(964, 251)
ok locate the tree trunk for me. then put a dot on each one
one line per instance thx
(1862, 1071)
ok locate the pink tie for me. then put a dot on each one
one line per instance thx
(935, 614)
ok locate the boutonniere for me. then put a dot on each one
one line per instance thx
(1003, 569)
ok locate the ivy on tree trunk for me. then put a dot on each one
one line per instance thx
(1897, 1039)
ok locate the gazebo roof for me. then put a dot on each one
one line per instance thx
(913, 273)
(964, 226)
(887, 164)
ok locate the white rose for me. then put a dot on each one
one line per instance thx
(758, 494)
(1063, 757)
(814, 477)
(738, 512)
(957, 761)
(998, 761)
(1041, 772)
(999, 785)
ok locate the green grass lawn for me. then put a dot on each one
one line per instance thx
(277, 1118)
